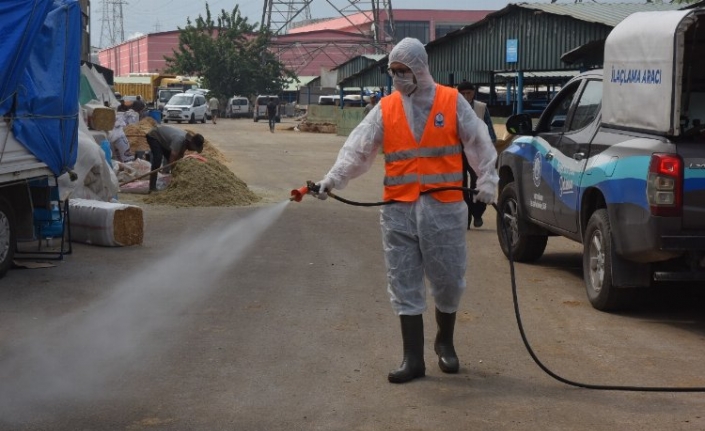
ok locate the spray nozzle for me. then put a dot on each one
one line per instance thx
(298, 194)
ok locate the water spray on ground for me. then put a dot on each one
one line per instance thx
(73, 358)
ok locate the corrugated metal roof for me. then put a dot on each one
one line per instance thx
(563, 74)
(602, 13)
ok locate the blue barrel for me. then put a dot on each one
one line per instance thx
(156, 114)
(105, 145)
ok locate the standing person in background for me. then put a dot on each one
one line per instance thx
(213, 106)
(423, 129)
(272, 113)
(139, 107)
(476, 209)
(170, 143)
(122, 107)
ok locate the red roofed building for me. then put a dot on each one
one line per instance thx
(308, 48)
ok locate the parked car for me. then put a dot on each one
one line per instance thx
(164, 95)
(238, 106)
(260, 109)
(189, 107)
(330, 99)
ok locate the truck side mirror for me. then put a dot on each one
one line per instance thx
(519, 124)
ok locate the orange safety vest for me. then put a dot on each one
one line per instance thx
(436, 161)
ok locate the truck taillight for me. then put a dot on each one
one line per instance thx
(664, 189)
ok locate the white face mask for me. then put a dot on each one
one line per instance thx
(405, 85)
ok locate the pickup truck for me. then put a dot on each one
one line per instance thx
(38, 132)
(616, 162)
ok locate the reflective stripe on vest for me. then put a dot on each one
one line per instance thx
(423, 152)
(423, 179)
(412, 167)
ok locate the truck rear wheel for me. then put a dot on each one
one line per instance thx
(7, 237)
(597, 264)
(524, 247)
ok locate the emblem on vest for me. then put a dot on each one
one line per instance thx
(439, 120)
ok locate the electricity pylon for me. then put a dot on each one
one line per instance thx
(112, 23)
(279, 16)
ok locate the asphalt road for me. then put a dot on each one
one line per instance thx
(276, 317)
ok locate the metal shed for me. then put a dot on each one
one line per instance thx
(520, 38)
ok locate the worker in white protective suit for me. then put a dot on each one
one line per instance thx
(422, 128)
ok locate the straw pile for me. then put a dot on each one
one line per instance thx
(136, 134)
(193, 182)
(205, 184)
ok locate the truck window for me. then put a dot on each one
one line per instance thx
(555, 117)
(588, 106)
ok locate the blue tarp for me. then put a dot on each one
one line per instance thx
(40, 46)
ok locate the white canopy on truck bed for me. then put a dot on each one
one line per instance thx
(643, 71)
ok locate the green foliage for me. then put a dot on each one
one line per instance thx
(229, 55)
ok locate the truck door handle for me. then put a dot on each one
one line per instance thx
(579, 156)
(549, 156)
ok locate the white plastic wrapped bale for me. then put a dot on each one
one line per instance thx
(96, 179)
(105, 223)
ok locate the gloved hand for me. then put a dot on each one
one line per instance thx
(324, 186)
(486, 193)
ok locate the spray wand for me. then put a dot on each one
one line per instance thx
(313, 189)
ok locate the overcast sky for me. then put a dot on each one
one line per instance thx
(150, 16)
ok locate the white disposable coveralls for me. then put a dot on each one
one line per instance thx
(425, 237)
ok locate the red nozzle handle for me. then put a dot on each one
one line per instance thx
(298, 194)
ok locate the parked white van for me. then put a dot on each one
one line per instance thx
(261, 108)
(238, 106)
(189, 107)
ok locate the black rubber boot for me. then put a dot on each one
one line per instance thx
(153, 182)
(447, 358)
(412, 366)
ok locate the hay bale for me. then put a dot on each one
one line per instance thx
(106, 223)
(102, 118)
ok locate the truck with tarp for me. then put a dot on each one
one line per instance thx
(39, 90)
(616, 162)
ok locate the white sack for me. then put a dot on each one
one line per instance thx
(96, 179)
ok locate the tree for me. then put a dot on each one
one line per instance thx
(229, 55)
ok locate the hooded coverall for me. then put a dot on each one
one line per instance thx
(424, 237)
(422, 129)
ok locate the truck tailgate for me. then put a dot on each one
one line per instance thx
(693, 155)
(16, 162)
